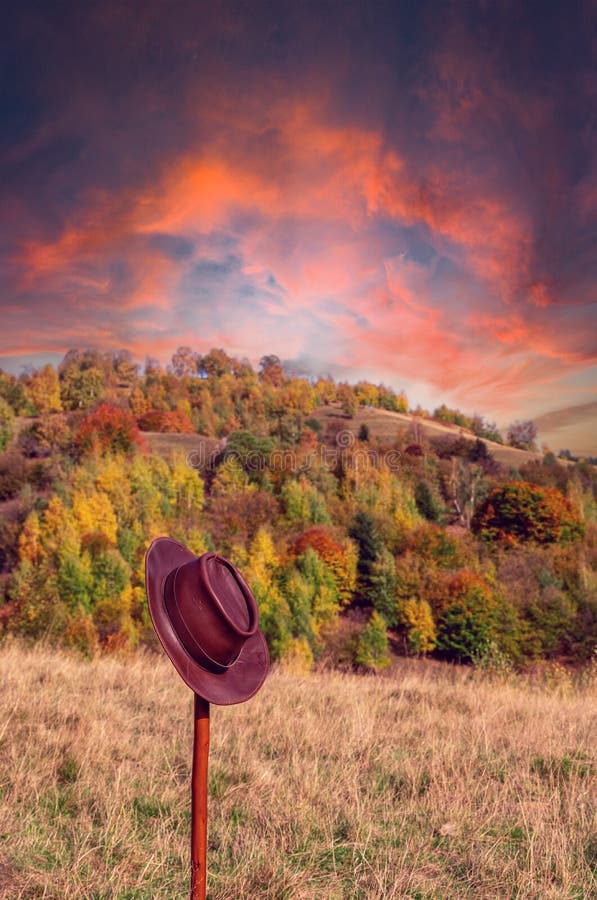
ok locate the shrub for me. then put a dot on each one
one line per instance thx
(48, 435)
(430, 542)
(14, 474)
(519, 511)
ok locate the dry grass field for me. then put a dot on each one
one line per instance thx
(430, 783)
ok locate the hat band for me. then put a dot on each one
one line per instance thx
(188, 640)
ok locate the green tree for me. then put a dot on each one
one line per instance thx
(364, 532)
(427, 502)
(7, 418)
(372, 645)
(75, 581)
(384, 587)
(81, 388)
(324, 597)
(13, 391)
(465, 617)
(82, 375)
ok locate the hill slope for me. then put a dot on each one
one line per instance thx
(573, 427)
(385, 426)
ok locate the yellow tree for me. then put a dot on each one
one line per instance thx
(43, 390)
(230, 478)
(420, 627)
(30, 547)
(95, 516)
(367, 394)
(186, 487)
(147, 477)
(138, 403)
(59, 531)
(262, 561)
(275, 617)
(325, 391)
(112, 478)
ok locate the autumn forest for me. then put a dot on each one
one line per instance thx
(359, 542)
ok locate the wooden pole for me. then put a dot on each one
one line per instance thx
(199, 800)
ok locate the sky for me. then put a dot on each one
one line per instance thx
(405, 192)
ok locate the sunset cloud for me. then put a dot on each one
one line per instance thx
(426, 223)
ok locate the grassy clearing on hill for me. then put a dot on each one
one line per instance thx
(385, 425)
(433, 783)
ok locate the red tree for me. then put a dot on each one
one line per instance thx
(108, 429)
(171, 422)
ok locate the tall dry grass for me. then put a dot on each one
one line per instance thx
(427, 784)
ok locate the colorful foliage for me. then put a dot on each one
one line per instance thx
(166, 422)
(299, 504)
(42, 388)
(518, 511)
(420, 628)
(340, 556)
(465, 613)
(108, 429)
(7, 418)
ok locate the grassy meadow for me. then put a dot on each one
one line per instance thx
(430, 782)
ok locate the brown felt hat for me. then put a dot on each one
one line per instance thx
(207, 621)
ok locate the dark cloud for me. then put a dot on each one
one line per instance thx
(171, 245)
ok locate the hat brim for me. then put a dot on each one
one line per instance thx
(238, 683)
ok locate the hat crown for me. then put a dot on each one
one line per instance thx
(212, 610)
(230, 592)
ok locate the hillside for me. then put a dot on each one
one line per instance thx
(385, 426)
(572, 427)
(433, 782)
(363, 531)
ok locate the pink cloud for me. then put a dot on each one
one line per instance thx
(310, 209)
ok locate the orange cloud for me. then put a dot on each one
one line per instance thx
(308, 213)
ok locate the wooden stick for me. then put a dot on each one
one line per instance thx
(199, 800)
